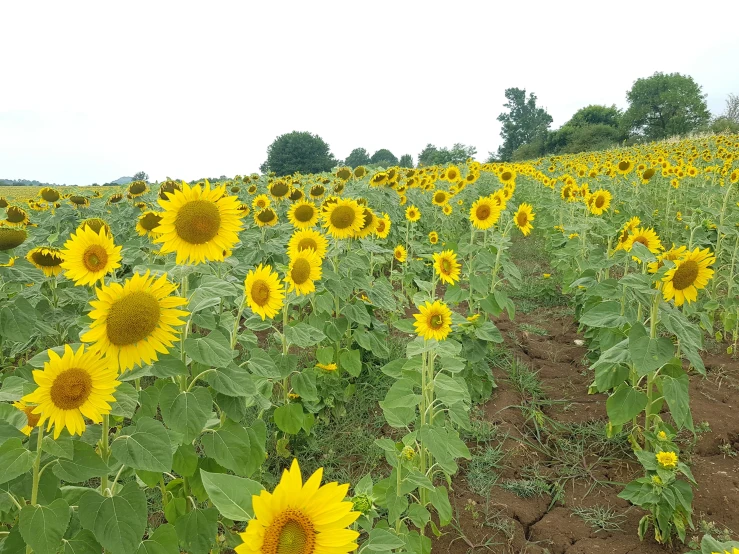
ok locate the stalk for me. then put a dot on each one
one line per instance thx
(36, 474)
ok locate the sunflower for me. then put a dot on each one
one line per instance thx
(672, 254)
(266, 217)
(440, 198)
(15, 217)
(382, 229)
(301, 518)
(304, 269)
(484, 213)
(600, 202)
(252, 189)
(260, 202)
(49, 194)
(452, 173)
(624, 166)
(199, 224)
(296, 194)
(690, 274)
(115, 198)
(89, 256)
(46, 259)
(11, 237)
(433, 237)
(343, 218)
(76, 385)
(167, 188)
(148, 223)
(369, 223)
(412, 214)
(137, 188)
(95, 223)
(31, 418)
(523, 218)
(446, 209)
(447, 266)
(507, 176)
(645, 236)
(263, 291)
(344, 173)
(134, 321)
(307, 239)
(303, 214)
(316, 191)
(3, 202)
(434, 321)
(400, 253)
(360, 172)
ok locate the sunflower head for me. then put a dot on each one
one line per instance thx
(667, 460)
(447, 267)
(31, 418)
(147, 223)
(49, 194)
(360, 171)
(343, 218)
(484, 213)
(303, 271)
(280, 189)
(691, 273)
(137, 188)
(263, 292)
(434, 321)
(344, 173)
(12, 237)
(89, 256)
(296, 194)
(303, 214)
(369, 223)
(382, 230)
(412, 214)
(79, 201)
(400, 253)
(48, 260)
(645, 236)
(15, 216)
(307, 239)
(96, 224)
(523, 218)
(433, 237)
(115, 198)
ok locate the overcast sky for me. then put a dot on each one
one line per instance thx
(92, 91)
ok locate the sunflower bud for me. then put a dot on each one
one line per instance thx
(362, 503)
(408, 453)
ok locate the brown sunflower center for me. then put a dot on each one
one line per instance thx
(451, 175)
(46, 259)
(307, 243)
(10, 238)
(300, 272)
(198, 221)
(15, 215)
(132, 318)
(439, 197)
(600, 201)
(150, 221)
(522, 218)
(79, 200)
(506, 176)
(95, 258)
(279, 189)
(50, 195)
(643, 240)
(304, 213)
(291, 532)
(261, 203)
(317, 190)
(266, 215)
(260, 292)
(482, 212)
(623, 165)
(685, 275)
(368, 219)
(71, 388)
(436, 321)
(342, 217)
(137, 188)
(446, 266)
(380, 226)
(399, 254)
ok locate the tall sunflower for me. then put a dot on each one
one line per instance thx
(89, 256)
(343, 218)
(645, 236)
(412, 214)
(447, 267)
(199, 224)
(303, 271)
(600, 201)
(260, 202)
(307, 239)
(434, 321)
(400, 253)
(48, 260)
(301, 518)
(71, 387)
(132, 322)
(266, 217)
(49, 194)
(369, 223)
(484, 213)
(690, 274)
(523, 218)
(382, 230)
(303, 214)
(263, 292)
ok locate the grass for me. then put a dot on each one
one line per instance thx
(601, 518)
(533, 329)
(483, 471)
(525, 380)
(527, 488)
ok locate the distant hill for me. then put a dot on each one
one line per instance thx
(121, 181)
(25, 183)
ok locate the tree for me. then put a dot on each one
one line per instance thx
(459, 153)
(406, 160)
(732, 108)
(384, 157)
(596, 115)
(428, 156)
(664, 105)
(299, 151)
(141, 176)
(523, 123)
(359, 156)
(728, 122)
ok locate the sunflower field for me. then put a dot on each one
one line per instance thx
(378, 360)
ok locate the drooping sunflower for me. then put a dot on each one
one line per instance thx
(15, 216)
(400, 253)
(263, 291)
(303, 214)
(507, 176)
(343, 218)
(148, 224)
(382, 230)
(296, 194)
(260, 202)
(134, 321)
(303, 271)
(199, 224)
(412, 214)
(523, 218)
(4, 202)
(137, 188)
(96, 224)
(344, 173)
(484, 213)
(79, 201)
(307, 239)
(252, 189)
(48, 260)
(280, 189)
(167, 188)
(115, 198)
(690, 274)
(316, 191)
(31, 418)
(301, 518)
(447, 267)
(71, 387)
(369, 223)
(49, 194)
(434, 321)
(89, 256)
(600, 201)
(440, 198)
(645, 236)
(11, 237)
(266, 217)
(360, 172)
(433, 237)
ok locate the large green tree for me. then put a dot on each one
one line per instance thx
(523, 123)
(457, 154)
(664, 105)
(359, 156)
(299, 151)
(384, 157)
(596, 115)
(406, 160)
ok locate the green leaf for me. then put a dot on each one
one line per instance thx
(648, 354)
(675, 385)
(304, 384)
(168, 366)
(440, 500)
(126, 401)
(118, 523)
(232, 380)
(85, 464)
(14, 388)
(230, 446)
(230, 494)
(357, 313)
(144, 445)
(262, 365)
(17, 322)
(197, 530)
(42, 527)
(605, 314)
(381, 540)
(82, 543)
(15, 460)
(489, 332)
(62, 447)
(162, 541)
(303, 335)
(289, 418)
(351, 361)
(400, 403)
(212, 350)
(185, 460)
(185, 412)
(625, 404)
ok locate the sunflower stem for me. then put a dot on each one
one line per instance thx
(183, 337)
(285, 349)
(470, 259)
(37, 467)
(104, 451)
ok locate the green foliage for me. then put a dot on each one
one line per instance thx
(457, 154)
(523, 123)
(406, 160)
(358, 156)
(384, 157)
(299, 152)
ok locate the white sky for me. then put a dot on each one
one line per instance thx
(92, 91)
